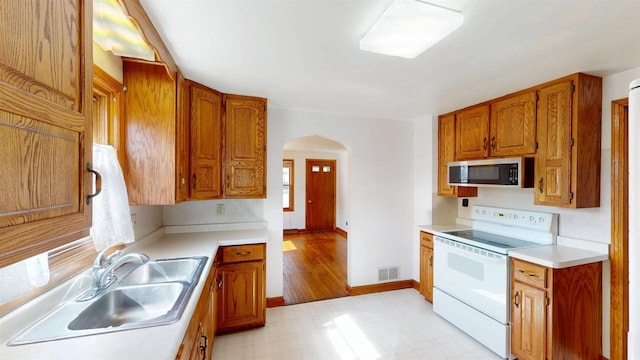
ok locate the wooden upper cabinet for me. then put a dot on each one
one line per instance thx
(446, 154)
(513, 125)
(567, 166)
(245, 146)
(153, 142)
(472, 133)
(206, 143)
(45, 124)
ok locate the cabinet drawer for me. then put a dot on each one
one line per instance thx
(426, 239)
(242, 253)
(528, 273)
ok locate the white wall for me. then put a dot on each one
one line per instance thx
(296, 219)
(381, 226)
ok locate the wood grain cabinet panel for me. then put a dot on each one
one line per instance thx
(513, 125)
(556, 313)
(45, 124)
(567, 163)
(206, 143)
(245, 146)
(472, 133)
(446, 154)
(154, 135)
(426, 265)
(241, 288)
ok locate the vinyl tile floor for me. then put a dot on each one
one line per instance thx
(389, 325)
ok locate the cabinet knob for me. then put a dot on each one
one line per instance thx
(484, 143)
(516, 299)
(493, 142)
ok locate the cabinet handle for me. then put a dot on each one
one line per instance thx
(98, 183)
(203, 348)
(193, 179)
(493, 142)
(248, 252)
(529, 274)
(219, 282)
(430, 261)
(181, 181)
(540, 185)
(516, 299)
(484, 143)
(228, 181)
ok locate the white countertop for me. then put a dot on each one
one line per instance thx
(558, 256)
(160, 342)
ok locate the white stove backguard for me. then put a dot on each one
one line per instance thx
(534, 226)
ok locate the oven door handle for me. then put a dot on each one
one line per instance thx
(498, 258)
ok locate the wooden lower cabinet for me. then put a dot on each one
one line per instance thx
(241, 291)
(556, 313)
(426, 265)
(198, 339)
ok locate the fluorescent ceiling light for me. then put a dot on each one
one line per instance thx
(409, 27)
(114, 31)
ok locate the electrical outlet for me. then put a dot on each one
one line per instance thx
(134, 219)
(219, 209)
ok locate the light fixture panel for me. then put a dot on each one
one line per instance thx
(409, 27)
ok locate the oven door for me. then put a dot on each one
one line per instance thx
(475, 276)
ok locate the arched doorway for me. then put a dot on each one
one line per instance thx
(314, 259)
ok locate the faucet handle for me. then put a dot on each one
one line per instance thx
(103, 260)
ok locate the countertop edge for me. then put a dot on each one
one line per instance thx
(558, 256)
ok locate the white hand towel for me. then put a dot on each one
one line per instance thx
(111, 213)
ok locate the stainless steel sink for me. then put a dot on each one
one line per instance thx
(135, 305)
(165, 270)
(152, 294)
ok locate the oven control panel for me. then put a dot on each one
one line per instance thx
(514, 217)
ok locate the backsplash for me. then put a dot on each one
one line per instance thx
(221, 211)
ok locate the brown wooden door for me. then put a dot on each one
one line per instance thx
(513, 125)
(206, 143)
(446, 152)
(528, 322)
(245, 147)
(553, 158)
(472, 133)
(241, 297)
(45, 125)
(320, 195)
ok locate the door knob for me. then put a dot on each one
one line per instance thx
(308, 201)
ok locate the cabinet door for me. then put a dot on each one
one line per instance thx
(426, 258)
(528, 322)
(513, 125)
(241, 297)
(45, 92)
(553, 158)
(245, 122)
(447, 153)
(206, 143)
(182, 141)
(150, 128)
(472, 131)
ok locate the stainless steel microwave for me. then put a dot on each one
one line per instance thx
(506, 172)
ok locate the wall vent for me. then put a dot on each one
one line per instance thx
(388, 273)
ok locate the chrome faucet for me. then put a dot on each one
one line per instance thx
(104, 267)
(106, 276)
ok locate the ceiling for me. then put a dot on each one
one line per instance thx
(303, 54)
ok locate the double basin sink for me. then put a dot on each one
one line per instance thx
(151, 294)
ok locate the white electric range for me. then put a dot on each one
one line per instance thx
(472, 269)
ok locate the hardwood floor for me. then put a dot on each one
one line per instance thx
(315, 267)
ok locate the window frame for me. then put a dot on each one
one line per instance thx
(289, 163)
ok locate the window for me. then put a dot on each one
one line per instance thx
(287, 185)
